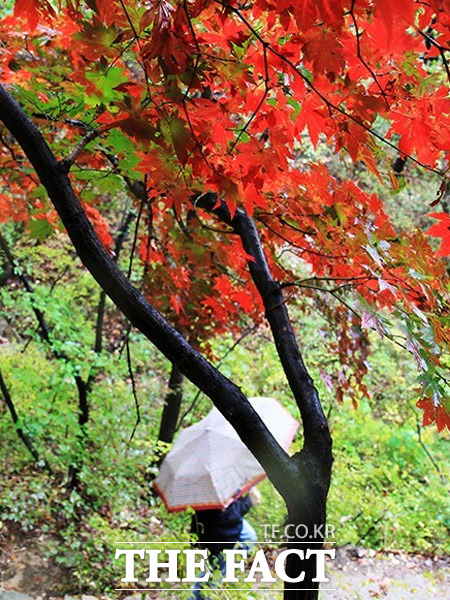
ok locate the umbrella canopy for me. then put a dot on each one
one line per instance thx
(209, 467)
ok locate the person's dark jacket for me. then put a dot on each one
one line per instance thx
(222, 526)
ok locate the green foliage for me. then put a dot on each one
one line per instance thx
(385, 494)
(6, 7)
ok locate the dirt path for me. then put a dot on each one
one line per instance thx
(357, 574)
(361, 574)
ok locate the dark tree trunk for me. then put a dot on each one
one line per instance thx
(172, 406)
(83, 418)
(5, 272)
(306, 589)
(309, 512)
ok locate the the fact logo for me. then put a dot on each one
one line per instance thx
(237, 566)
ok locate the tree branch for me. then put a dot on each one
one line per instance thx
(133, 388)
(226, 396)
(193, 403)
(67, 162)
(118, 245)
(316, 432)
(428, 453)
(432, 42)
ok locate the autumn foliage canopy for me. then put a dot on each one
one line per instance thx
(177, 98)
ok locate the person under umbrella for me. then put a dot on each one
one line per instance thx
(210, 470)
(225, 527)
(208, 466)
(217, 530)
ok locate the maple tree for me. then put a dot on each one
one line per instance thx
(202, 112)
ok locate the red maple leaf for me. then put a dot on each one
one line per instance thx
(441, 230)
(33, 10)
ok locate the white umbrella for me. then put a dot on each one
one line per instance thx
(209, 467)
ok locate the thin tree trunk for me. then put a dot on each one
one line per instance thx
(26, 439)
(44, 331)
(98, 344)
(172, 406)
(83, 418)
(122, 233)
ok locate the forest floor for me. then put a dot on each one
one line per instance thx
(357, 574)
(362, 574)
